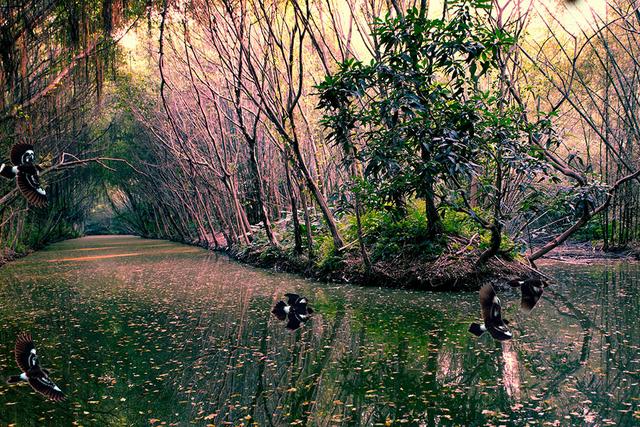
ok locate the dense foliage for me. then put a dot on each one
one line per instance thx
(429, 128)
(55, 57)
(270, 127)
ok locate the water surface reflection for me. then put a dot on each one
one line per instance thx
(181, 336)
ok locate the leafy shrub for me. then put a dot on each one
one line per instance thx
(386, 237)
(460, 224)
(326, 257)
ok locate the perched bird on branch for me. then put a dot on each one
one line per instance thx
(296, 310)
(492, 316)
(27, 174)
(531, 290)
(32, 372)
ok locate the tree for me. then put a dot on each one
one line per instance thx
(418, 104)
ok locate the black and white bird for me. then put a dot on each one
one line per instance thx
(24, 169)
(296, 311)
(32, 372)
(531, 290)
(492, 316)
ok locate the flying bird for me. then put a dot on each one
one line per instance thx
(531, 290)
(27, 174)
(296, 311)
(492, 316)
(32, 372)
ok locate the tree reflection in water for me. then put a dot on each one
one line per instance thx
(182, 336)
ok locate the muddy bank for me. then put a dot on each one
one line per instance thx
(451, 271)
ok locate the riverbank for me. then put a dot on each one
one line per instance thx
(9, 255)
(452, 270)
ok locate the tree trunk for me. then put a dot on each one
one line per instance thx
(496, 226)
(315, 191)
(363, 250)
(294, 209)
(434, 223)
(264, 216)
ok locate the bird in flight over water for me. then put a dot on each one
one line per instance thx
(32, 372)
(492, 316)
(296, 311)
(531, 290)
(27, 174)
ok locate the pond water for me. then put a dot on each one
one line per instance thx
(149, 332)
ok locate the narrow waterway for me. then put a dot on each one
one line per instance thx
(146, 332)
